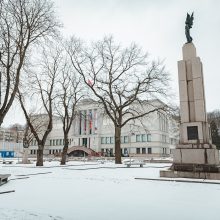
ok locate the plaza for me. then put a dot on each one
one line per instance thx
(91, 190)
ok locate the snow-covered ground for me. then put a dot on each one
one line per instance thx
(98, 191)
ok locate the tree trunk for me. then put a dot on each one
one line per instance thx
(1, 119)
(40, 156)
(64, 153)
(117, 145)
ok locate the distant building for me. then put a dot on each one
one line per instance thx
(11, 139)
(93, 129)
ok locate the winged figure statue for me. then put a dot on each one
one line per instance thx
(189, 23)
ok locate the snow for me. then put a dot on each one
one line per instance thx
(102, 191)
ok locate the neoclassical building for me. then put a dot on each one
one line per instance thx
(92, 132)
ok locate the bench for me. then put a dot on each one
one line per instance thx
(4, 178)
(7, 162)
(139, 163)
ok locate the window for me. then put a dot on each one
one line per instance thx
(164, 138)
(50, 142)
(102, 140)
(49, 151)
(84, 142)
(138, 151)
(149, 137)
(53, 142)
(125, 139)
(107, 140)
(164, 150)
(143, 150)
(143, 137)
(149, 150)
(138, 138)
(60, 141)
(122, 139)
(112, 140)
(57, 142)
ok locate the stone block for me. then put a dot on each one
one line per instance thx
(195, 146)
(190, 89)
(189, 70)
(183, 146)
(196, 156)
(183, 134)
(192, 175)
(183, 91)
(184, 109)
(206, 133)
(192, 116)
(189, 51)
(196, 68)
(209, 146)
(198, 89)
(200, 110)
(181, 70)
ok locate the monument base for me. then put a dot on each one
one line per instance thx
(199, 161)
(195, 168)
(196, 154)
(192, 175)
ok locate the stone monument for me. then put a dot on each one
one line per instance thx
(195, 156)
(25, 152)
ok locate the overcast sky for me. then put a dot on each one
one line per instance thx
(156, 25)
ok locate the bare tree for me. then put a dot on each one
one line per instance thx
(28, 136)
(69, 94)
(123, 80)
(41, 90)
(23, 23)
(214, 116)
(214, 121)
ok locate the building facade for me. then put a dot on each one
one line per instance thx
(11, 140)
(93, 129)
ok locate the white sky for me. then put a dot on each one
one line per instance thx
(156, 25)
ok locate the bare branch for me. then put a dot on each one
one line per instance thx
(22, 24)
(121, 79)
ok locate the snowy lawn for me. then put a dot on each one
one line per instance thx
(103, 191)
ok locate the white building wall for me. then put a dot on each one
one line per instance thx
(95, 130)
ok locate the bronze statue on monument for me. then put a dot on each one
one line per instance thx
(189, 23)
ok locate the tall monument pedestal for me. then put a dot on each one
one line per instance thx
(195, 156)
(25, 157)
